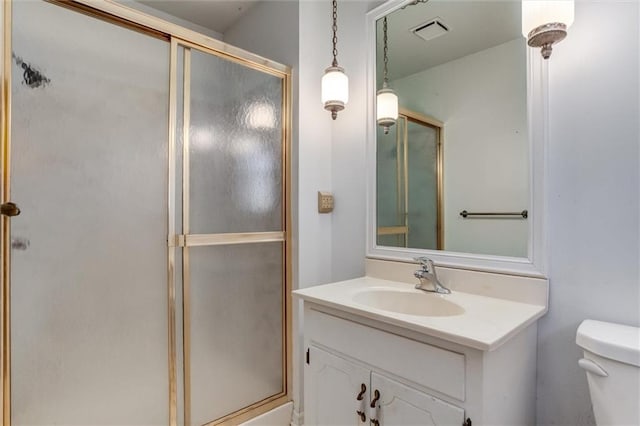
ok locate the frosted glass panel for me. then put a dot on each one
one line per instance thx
(236, 327)
(407, 185)
(89, 293)
(235, 147)
(422, 150)
(390, 183)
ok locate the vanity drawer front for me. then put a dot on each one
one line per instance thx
(435, 368)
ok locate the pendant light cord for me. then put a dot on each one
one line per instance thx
(386, 50)
(335, 33)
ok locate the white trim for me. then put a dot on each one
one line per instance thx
(297, 418)
(535, 265)
(279, 416)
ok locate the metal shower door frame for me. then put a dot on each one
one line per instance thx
(185, 240)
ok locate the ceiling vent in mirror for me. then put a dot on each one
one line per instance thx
(431, 29)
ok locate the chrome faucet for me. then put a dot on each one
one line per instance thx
(427, 274)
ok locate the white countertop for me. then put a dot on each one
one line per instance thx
(486, 324)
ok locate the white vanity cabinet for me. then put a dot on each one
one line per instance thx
(335, 390)
(419, 379)
(339, 391)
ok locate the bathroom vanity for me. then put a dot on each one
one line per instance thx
(376, 350)
(382, 352)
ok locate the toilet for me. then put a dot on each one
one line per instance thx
(612, 361)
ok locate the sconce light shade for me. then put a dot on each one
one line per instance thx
(540, 12)
(545, 22)
(335, 90)
(386, 108)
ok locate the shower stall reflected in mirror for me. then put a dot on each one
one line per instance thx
(148, 270)
(409, 183)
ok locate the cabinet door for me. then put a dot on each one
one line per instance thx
(331, 387)
(401, 405)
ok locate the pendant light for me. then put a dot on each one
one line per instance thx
(545, 22)
(386, 99)
(335, 83)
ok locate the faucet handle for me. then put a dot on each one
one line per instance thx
(424, 261)
(427, 264)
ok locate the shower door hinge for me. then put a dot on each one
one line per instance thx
(467, 422)
(307, 355)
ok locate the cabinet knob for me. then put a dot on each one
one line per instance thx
(376, 397)
(360, 412)
(374, 402)
(363, 390)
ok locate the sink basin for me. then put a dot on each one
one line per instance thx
(407, 302)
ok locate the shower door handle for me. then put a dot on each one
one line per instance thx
(9, 209)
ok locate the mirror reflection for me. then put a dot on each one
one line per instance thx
(453, 170)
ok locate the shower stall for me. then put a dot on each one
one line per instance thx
(146, 260)
(409, 187)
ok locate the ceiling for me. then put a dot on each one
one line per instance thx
(217, 15)
(473, 26)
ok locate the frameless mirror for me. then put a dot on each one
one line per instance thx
(452, 173)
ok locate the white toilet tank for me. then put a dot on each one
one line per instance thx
(612, 361)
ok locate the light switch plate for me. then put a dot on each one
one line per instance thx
(325, 202)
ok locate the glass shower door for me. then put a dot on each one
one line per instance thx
(89, 314)
(409, 184)
(232, 235)
(391, 217)
(422, 186)
(149, 274)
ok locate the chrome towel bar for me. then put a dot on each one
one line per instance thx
(523, 213)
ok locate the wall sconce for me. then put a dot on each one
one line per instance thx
(386, 98)
(545, 22)
(335, 83)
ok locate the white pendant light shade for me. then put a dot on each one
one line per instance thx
(386, 108)
(386, 98)
(335, 89)
(536, 13)
(335, 83)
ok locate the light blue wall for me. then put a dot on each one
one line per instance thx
(593, 197)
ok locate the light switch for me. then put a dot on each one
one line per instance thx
(325, 202)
